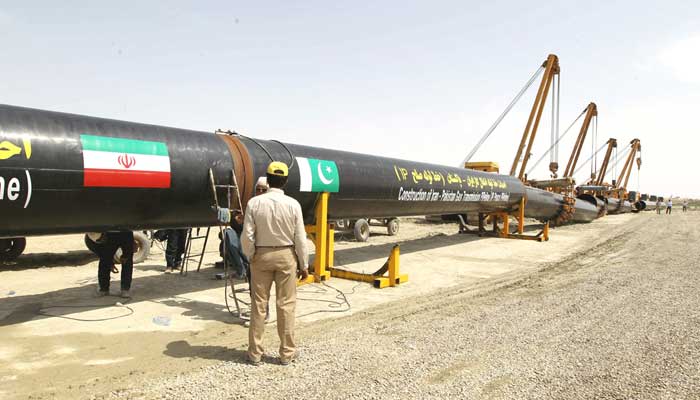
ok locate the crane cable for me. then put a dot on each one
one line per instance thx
(639, 171)
(557, 142)
(619, 160)
(503, 115)
(556, 148)
(556, 90)
(594, 143)
(614, 166)
(589, 159)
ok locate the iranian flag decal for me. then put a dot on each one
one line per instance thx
(116, 162)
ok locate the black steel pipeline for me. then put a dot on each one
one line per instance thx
(617, 206)
(47, 188)
(599, 204)
(614, 205)
(371, 186)
(585, 211)
(62, 173)
(65, 173)
(626, 207)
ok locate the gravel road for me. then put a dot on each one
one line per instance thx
(619, 321)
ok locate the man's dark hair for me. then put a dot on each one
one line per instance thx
(276, 181)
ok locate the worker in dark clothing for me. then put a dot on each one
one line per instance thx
(261, 187)
(174, 249)
(108, 245)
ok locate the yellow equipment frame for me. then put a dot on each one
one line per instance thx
(505, 233)
(378, 281)
(322, 233)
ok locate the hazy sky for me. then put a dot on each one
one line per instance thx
(415, 80)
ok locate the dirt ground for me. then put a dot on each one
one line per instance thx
(479, 317)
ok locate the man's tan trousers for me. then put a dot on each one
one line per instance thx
(278, 266)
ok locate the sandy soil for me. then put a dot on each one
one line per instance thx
(60, 342)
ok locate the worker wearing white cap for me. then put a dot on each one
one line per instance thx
(275, 241)
(261, 186)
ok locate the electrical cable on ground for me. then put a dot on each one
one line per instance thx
(341, 305)
(95, 306)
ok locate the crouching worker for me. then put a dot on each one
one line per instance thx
(237, 261)
(275, 241)
(108, 245)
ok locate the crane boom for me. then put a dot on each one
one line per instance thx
(636, 146)
(621, 188)
(551, 66)
(591, 111)
(612, 144)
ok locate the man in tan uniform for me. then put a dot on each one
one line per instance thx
(275, 241)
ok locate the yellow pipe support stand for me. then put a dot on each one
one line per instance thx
(505, 233)
(521, 216)
(323, 235)
(394, 278)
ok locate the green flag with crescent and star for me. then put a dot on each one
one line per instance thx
(318, 175)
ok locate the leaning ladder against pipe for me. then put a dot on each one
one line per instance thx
(228, 281)
(322, 233)
(504, 218)
(192, 235)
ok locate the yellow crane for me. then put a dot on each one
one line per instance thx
(619, 189)
(599, 180)
(591, 112)
(551, 69)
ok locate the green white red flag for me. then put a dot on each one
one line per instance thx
(117, 162)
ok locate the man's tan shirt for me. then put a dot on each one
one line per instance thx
(274, 220)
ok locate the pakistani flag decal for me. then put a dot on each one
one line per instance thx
(128, 163)
(318, 175)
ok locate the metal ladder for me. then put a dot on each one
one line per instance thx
(194, 234)
(229, 280)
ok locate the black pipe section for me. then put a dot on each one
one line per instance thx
(384, 187)
(47, 188)
(65, 173)
(617, 206)
(640, 205)
(600, 205)
(614, 206)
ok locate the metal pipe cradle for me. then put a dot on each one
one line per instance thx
(66, 173)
